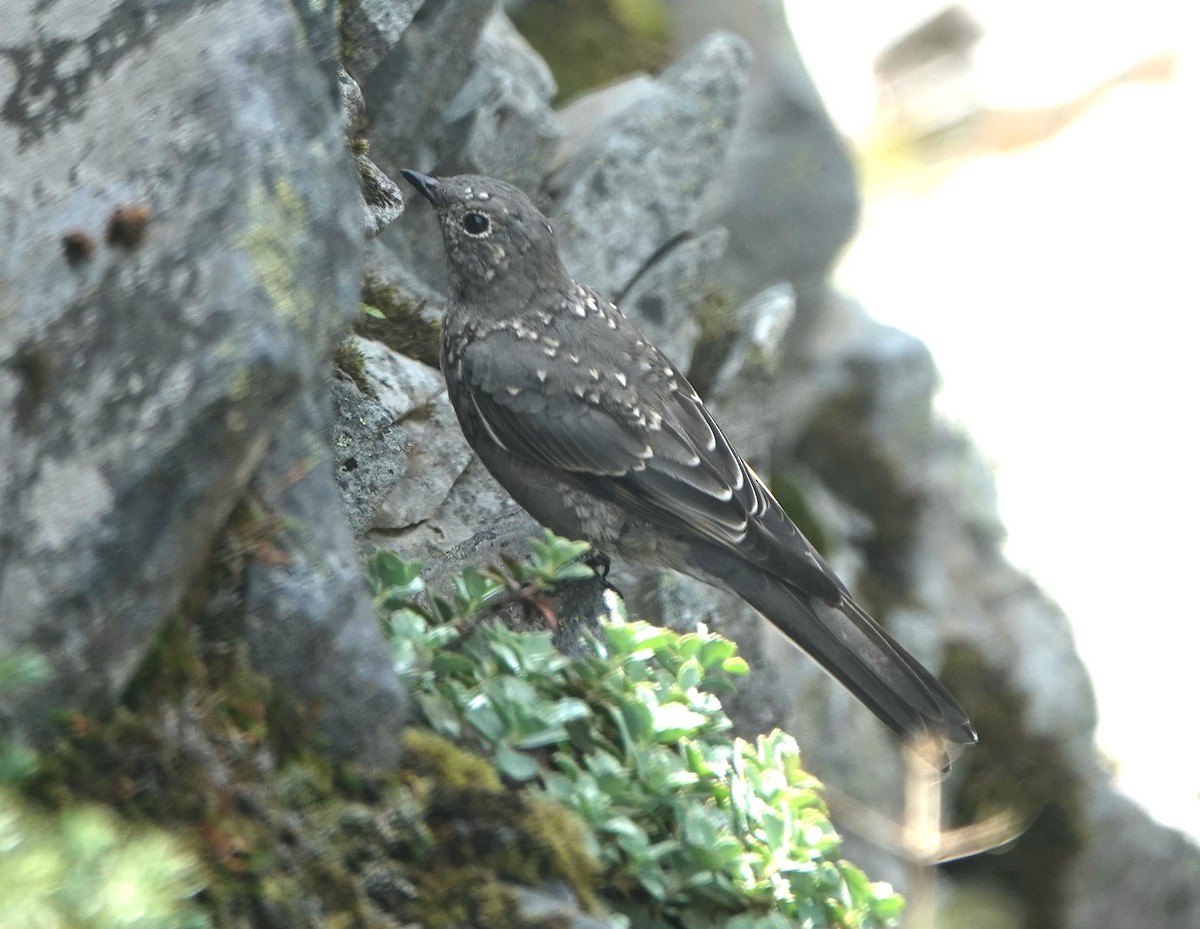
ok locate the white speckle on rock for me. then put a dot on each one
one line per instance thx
(68, 496)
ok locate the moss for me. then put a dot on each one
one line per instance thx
(718, 326)
(205, 747)
(561, 840)
(475, 820)
(592, 42)
(348, 361)
(1012, 770)
(455, 768)
(404, 327)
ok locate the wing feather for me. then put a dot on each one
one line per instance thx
(676, 469)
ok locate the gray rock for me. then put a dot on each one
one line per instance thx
(310, 620)
(370, 449)
(371, 29)
(666, 298)
(635, 183)
(757, 350)
(414, 395)
(410, 86)
(354, 104)
(557, 905)
(500, 122)
(744, 383)
(1132, 867)
(143, 378)
(382, 201)
(789, 179)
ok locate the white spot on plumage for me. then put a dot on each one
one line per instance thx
(579, 391)
(514, 391)
(594, 373)
(541, 375)
(574, 358)
(550, 351)
(621, 379)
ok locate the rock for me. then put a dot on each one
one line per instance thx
(500, 122)
(762, 322)
(410, 86)
(354, 104)
(789, 177)
(382, 201)
(1132, 866)
(311, 623)
(556, 904)
(371, 30)
(667, 298)
(635, 181)
(752, 364)
(182, 245)
(414, 396)
(371, 451)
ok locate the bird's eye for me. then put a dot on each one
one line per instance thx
(476, 224)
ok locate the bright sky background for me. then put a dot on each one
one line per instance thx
(1057, 286)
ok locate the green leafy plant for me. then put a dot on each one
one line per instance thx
(694, 826)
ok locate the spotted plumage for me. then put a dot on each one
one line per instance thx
(595, 432)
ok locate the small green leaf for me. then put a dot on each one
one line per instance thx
(735, 665)
(513, 764)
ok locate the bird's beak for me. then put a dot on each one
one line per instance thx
(428, 187)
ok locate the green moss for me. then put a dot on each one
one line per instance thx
(592, 42)
(348, 361)
(561, 841)
(454, 768)
(403, 328)
(718, 326)
(476, 821)
(1013, 770)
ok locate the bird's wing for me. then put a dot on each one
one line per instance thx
(656, 452)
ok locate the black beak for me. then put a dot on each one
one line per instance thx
(427, 186)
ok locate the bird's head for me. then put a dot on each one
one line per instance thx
(499, 247)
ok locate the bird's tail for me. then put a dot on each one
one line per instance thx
(857, 651)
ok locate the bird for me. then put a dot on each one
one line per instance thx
(600, 437)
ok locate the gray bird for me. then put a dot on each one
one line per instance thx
(600, 437)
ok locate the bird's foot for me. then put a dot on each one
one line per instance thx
(598, 562)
